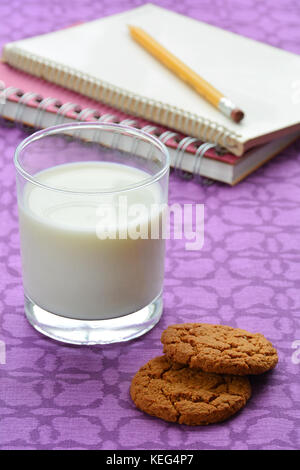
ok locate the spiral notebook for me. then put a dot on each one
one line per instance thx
(100, 60)
(36, 103)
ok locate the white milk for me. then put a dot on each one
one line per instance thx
(67, 269)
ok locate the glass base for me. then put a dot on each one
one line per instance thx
(91, 332)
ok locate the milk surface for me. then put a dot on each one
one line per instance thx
(67, 268)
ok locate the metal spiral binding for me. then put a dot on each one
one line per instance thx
(186, 120)
(121, 100)
(112, 94)
(183, 144)
(202, 149)
(87, 85)
(42, 107)
(109, 94)
(224, 142)
(167, 135)
(24, 99)
(164, 137)
(107, 117)
(210, 133)
(149, 128)
(63, 110)
(128, 122)
(5, 94)
(143, 102)
(195, 124)
(150, 105)
(205, 126)
(166, 112)
(82, 117)
(103, 118)
(130, 98)
(116, 137)
(134, 147)
(85, 113)
(182, 147)
(218, 136)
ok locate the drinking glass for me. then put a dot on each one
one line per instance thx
(91, 201)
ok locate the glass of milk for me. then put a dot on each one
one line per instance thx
(91, 200)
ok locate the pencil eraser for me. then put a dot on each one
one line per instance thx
(237, 115)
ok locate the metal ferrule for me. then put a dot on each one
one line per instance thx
(226, 106)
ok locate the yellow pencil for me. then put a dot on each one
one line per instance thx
(205, 89)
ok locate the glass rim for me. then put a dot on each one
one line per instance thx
(109, 126)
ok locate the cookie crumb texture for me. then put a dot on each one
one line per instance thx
(219, 348)
(179, 394)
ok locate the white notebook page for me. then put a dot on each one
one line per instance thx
(260, 79)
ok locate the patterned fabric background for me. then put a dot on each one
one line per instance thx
(247, 275)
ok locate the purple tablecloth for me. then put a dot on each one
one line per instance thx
(247, 275)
